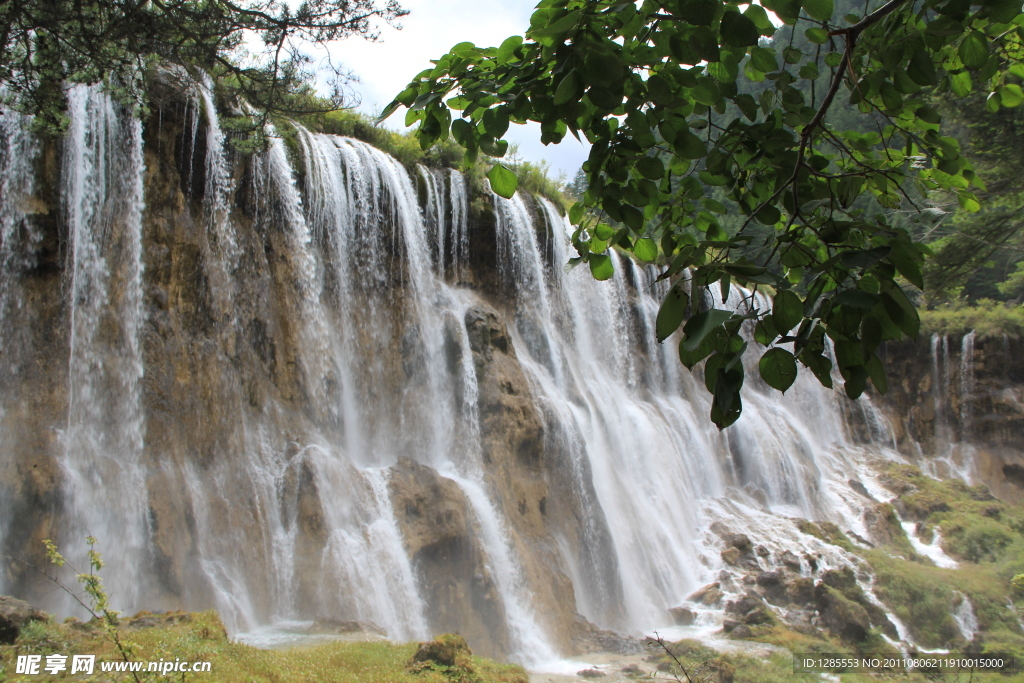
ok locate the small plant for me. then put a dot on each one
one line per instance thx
(98, 601)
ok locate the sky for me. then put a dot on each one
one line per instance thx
(430, 29)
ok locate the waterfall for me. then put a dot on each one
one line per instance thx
(964, 617)
(966, 384)
(18, 242)
(253, 461)
(105, 480)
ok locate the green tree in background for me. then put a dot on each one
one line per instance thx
(981, 255)
(45, 44)
(677, 96)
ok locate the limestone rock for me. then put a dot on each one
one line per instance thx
(14, 616)
(682, 616)
(434, 517)
(843, 617)
(449, 649)
(708, 595)
(588, 638)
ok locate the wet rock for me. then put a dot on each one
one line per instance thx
(682, 616)
(758, 616)
(842, 580)
(800, 591)
(762, 551)
(769, 579)
(709, 595)
(434, 517)
(743, 605)
(883, 525)
(729, 625)
(588, 638)
(741, 631)
(14, 616)
(790, 560)
(591, 673)
(739, 541)
(857, 486)
(800, 620)
(732, 556)
(845, 618)
(632, 670)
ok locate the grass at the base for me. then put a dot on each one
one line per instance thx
(201, 637)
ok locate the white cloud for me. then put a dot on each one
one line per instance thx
(429, 31)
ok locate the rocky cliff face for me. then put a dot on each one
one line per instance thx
(243, 457)
(957, 403)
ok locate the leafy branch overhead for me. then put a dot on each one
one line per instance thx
(679, 97)
(47, 43)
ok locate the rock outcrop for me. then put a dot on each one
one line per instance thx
(958, 401)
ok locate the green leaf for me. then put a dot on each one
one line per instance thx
(689, 146)
(819, 9)
(1010, 95)
(921, 68)
(928, 115)
(763, 59)
(576, 213)
(700, 325)
(863, 258)
(778, 369)
(973, 50)
(570, 89)
(968, 202)
(700, 12)
(820, 365)
(816, 35)
(765, 332)
(601, 266)
(876, 371)
(558, 27)
(504, 183)
(787, 10)
(703, 350)
(706, 92)
(463, 132)
(670, 315)
(738, 30)
(506, 53)
(787, 310)
(900, 310)
(651, 168)
(496, 122)
(960, 83)
(645, 249)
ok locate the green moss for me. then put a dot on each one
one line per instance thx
(826, 531)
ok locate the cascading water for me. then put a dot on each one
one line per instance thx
(338, 289)
(966, 384)
(18, 237)
(104, 477)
